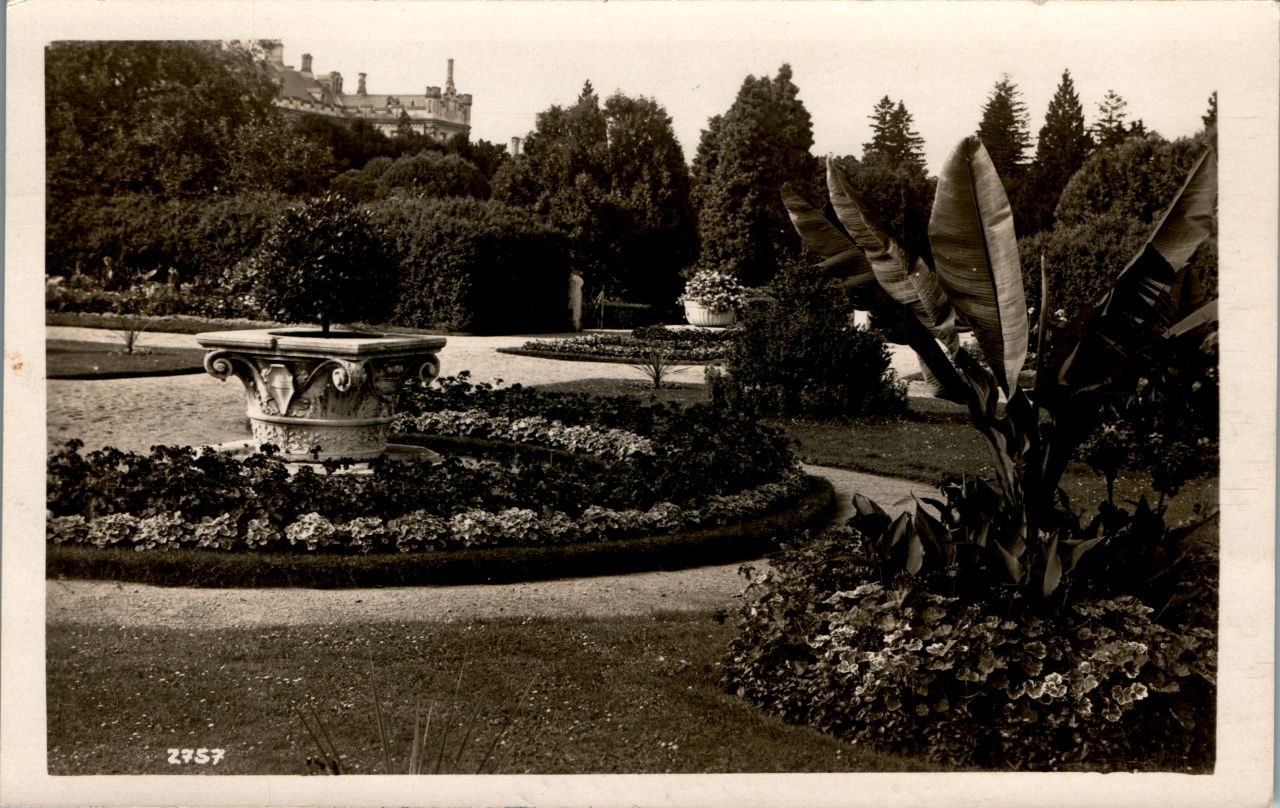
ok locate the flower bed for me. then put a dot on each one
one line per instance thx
(693, 346)
(603, 482)
(1101, 683)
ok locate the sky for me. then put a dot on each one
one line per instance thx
(941, 60)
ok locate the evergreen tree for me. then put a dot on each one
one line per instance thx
(893, 140)
(1004, 129)
(1110, 129)
(743, 159)
(1061, 149)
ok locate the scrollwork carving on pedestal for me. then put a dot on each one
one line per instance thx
(301, 396)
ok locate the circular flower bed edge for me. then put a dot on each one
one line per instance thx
(186, 567)
(585, 357)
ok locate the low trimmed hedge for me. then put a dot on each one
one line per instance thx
(188, 567)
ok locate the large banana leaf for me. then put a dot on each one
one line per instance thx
(842, 260)
(909, 282)
(976, 253)
(1139, 309)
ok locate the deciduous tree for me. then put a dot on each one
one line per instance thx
(612, 177)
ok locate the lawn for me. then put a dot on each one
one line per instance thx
(71, 359)
(605, 695)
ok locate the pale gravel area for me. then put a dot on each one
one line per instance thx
(135, 414)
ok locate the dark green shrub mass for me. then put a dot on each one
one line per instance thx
(431, 174)
(468, 265)
(802, 356)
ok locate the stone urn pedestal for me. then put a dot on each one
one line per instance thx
(321, 397)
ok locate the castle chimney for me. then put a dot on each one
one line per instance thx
(448, 84)
(306, 63)
(275, 53)
(336, 78)
(515, 147)
(360, 89)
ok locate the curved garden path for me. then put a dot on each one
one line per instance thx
(197, 409)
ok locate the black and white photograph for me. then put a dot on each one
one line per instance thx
(639, 403)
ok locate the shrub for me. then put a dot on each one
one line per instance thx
(826, 642)
(468, 265)
(355, 185)
(802, 356)
(431, 174)
(139, 233)
(226, 231)
(1104, 216)
(323, 262)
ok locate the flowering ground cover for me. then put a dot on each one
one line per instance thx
(694, 346)
(617, 472)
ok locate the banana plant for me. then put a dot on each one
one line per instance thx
(1023, 530)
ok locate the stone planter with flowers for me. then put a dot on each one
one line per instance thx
(711, 299)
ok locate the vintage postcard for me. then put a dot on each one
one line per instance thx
(639, 403)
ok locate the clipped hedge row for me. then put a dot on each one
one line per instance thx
(474, 266)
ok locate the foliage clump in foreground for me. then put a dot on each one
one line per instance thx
(998, 625)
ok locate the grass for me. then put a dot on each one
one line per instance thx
(71, 359)
(584, 695)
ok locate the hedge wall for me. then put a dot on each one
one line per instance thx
(475, 266)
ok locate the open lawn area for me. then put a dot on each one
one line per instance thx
(68, 359)
(520, 695)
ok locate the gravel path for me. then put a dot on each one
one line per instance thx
(199, 410)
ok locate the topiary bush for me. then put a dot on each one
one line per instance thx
(474, 266)
(323, 262)
(802, 356)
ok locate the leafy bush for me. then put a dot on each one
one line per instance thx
(894, 665)
(468, 265)
(1168, 424)
(802, 356)
(431, 174)
(137, 233)
(323, 262)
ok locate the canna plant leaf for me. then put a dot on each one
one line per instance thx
(976, 254)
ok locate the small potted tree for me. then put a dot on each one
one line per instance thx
(711, 298)
(322, 393)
